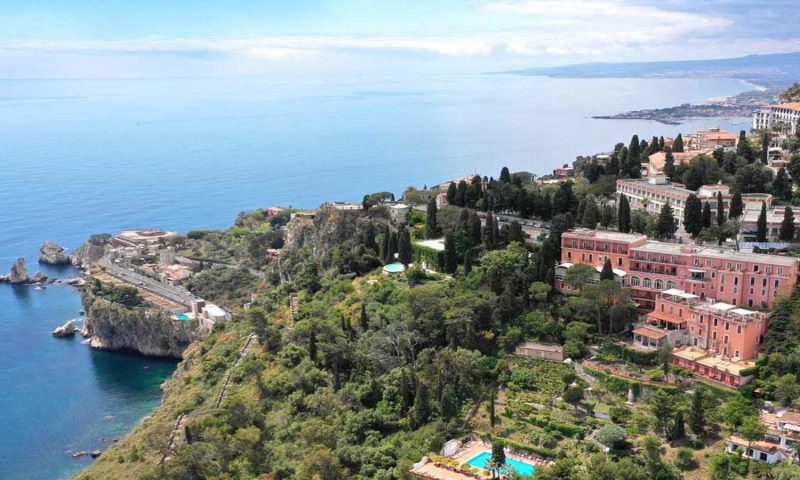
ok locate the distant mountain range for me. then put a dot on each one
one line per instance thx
(776, 70)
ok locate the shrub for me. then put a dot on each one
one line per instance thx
(684, 458)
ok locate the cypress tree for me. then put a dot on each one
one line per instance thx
(634, 158)
(461, 194)
(384, 247)
(737, 206)
(693, 215)
(581, 208)
(392, 249)
(720, 210)
(624, 166)
(431, 222)
(765, 139)
(450, 254)
(624, 214)
(706, 215)
(608, 271)
(474, 230)
(564, 200)
(677, 145)
(787, 226)
(697, 414)
(404, 245)
(488, 232)
(422, 408)
(492, 400)
(669, 163)
(678, 429)
(665, 225)
(467, 262)
(591, 214)
(761, 224)
(661, 143)
(364, 318)
(451, 194)
(782, 186)
(312, 343)
(505, 175)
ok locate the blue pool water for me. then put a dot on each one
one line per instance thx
(522, 468)
(182, 316)
(395, 268)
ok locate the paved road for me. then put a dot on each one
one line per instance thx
(168, 292)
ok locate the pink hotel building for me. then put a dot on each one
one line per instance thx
(697, 295)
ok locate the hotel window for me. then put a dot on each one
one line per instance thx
(763, 292)
(730, 265)
(725, 339)
(755, 268)
(777, 283)
(647, 283)
(751, 291)
(713, 335)
(738, 329)
(671, 284)
(780, 271)
(708, 263)
(662, 307)
(634, 281)
(619, 261)
(736, 353)
(764, 282)
(739, 266)
(722, 288)
(715, 322)
(569, 255)
(659, 284)
(696, 262)
(736, 280)
(590, 257)
(752, 281)
(722, 278)
(727, 325)
(713, 274)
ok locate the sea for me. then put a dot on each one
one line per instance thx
(84, 156)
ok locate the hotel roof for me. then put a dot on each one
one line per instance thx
(788, 106)
(605, 235)
(649, 333)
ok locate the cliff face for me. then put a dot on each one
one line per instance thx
(91, 251)
(330, 227)
(149, 331)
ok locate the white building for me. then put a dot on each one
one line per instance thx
(787, 114)
(779, 443)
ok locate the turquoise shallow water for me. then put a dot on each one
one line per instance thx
(85, 156)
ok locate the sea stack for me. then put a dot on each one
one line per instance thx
(19, 274)
(53, 254)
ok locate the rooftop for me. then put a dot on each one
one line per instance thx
(694, 354)
(435, 244)
(604, 235)
(788, 106)
(649, 332)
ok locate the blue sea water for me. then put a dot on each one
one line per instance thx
(85, 156)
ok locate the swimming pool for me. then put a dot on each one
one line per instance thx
(183, 316)
(394, 268)
(522, 468)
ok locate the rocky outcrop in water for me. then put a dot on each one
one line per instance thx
(53, 254)
(149, 331)
(19, 273)
(91, 251)
(66, 330)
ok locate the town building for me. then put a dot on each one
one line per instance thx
(656, 161)
(774, 116)
(139, 238)
(399, 212)
(650, 194)
(565, 171)
(779, 442)
(748, 224)
(167, 256)
(715, 138)
(650, 267)
(441, 200)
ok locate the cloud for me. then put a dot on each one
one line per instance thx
(525, 29)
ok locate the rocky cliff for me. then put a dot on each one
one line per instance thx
(149, 331)
(19, 274)
(53, 254)
(330, 228)
(91, 251)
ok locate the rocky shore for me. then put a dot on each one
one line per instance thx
(53, 254)
(19, 275)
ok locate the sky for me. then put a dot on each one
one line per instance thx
(131, 38)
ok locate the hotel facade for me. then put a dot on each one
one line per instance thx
(700, 299)
(787, 114)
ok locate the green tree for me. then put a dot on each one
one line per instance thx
(697, 414)
(665, 226)
(505, 175)
(591, 213)
(752, 429)
(693, 215)
(736, 206)
(364, 318)
(787, 226)
(624, 214)
(579, 275)
(669, 163)
(452, 190)
(677, 145)
(782, 186)
(608, 271)
(573, 395)
(489, 237)
(706, 215)
(661, 409)
(678, 428)
(497, 462)
(431, 223)
(634, 158)
(564, 200)
(320, 463)
(450, 254)
(761, 224)
(786, 389)
(765, 140)
(736, 410)
(720, 209)
(794, 168)
(421, 410)
(404, 245)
